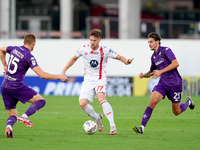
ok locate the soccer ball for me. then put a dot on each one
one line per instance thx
(90, 127)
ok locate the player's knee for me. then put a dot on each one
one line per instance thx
(152, 104)
(176, 112)
(82, 104)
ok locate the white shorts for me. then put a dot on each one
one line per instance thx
(90, 88)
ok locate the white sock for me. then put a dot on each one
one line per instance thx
(89, 110)
(25, 116)
(142, 128)
(107, 109)
(9, 126)
(189, 102)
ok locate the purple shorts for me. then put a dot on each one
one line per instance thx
(12, 96)
(173, 92)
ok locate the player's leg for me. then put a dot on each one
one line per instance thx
(10, 122)
(178, 108)
(86, 97)
(88, 109)
(155, 99)
(108, 111)
(38, 102)
(10, 105)
(174, 95)
(29, 95)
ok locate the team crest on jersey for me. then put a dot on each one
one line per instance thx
(93, 63)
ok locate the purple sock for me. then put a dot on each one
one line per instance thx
(184, 106)
(11, 120)
(146, 116)
(34, 107)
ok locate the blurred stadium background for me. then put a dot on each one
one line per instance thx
(125, 25)
(117, 18)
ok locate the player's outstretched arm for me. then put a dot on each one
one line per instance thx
(124, 60)
(48, 76)
(69, 64)
(3, 58)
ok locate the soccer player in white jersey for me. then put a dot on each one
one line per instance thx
(95, 59)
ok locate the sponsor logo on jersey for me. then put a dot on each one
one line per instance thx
(159, 62)
(93, 63)
(93, 52)
(111, 51)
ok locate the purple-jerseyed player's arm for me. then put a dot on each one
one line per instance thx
(3, 58)
(69, 64)
(173, 65)
(45, 75)
(146, 75)
(124, 60)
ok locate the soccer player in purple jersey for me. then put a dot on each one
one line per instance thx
(163, 64)
(13, 88)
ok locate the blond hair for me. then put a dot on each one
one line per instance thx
(96, 33)
(29, 38)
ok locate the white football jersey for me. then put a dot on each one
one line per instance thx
(95, 62)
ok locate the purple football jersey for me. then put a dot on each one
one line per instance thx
(20, 61)
(161, 60)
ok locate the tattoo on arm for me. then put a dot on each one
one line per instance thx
(148, 74)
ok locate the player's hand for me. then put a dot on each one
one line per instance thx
(156, 74)
(141, 75)
(63, 78)
(129, 61)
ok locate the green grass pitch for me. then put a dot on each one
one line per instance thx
(58, 126)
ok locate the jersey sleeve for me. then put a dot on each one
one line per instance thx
(9, 49)
(169, 54)
(78, 52)
(112, 54)
(32, 61)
